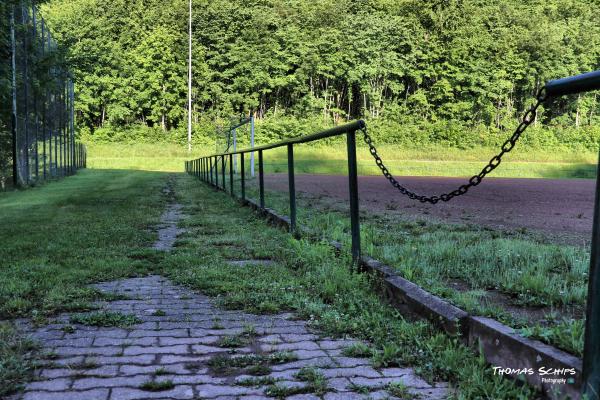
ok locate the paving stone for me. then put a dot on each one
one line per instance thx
(178, 369)
(92, 383)
(51, 385)
(363, 371)
(303, 397)
(157, 333)
(85, 351)
(210, 391)
(97, 394)
(137, 350)
(181, 344)
(145, 341)
(373, 382)
(344, 396)
(338, 384)
(182, 392)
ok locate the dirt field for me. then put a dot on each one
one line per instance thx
(561, 208)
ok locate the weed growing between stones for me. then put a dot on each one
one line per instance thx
(105, 319)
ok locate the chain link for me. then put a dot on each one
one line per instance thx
(528, 119)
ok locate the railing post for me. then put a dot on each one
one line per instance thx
(353, 186)
(292, 188)
(210, 169)
(243, 173)
(231, 175)
(223, 171)
(591, 350)
(261, 179)
(217, 172)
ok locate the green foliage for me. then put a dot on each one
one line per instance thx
(568, 334)
(157, 386)
(454, 72)
(16, 365)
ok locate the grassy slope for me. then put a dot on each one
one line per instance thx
(331, 159)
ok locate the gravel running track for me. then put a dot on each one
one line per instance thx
(560, 207)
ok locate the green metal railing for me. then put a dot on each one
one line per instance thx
(207, 169)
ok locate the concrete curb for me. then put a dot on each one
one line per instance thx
(499, 344)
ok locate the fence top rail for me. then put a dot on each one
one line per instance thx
(338, 130)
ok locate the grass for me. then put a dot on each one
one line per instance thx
(528, 270)
(358, 350)
(59, 237)
(16, 365)
(308, 278)
(399, 390)
(257, 381)
(106, 318)
(98, 225)
(429, 161)
(231, 342)
(157, 386)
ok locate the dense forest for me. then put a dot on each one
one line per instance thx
(458, 70)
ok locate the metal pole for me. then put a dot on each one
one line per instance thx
(44, 107)
(261, 179)
(210, 169)
(72, 117)
(216, 172)
(14, 120)
(25, 21)
(190, 84)
(234, 150)
(591, 350)
(353, 186)
(231, 175)
(252, 144)
(243, 173)
(35, 95)
(292, 187)
(223, 171)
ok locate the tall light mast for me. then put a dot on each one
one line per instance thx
(190, 84)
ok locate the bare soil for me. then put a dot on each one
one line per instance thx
(558, 207)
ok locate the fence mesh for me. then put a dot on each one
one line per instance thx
(37, 127)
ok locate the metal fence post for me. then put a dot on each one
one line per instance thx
(223, 172)
(353, 187)
(292, 188)
(243, 173)
(210, 169)
(14, 120)
(591, 350)
(261, 179)
(231, 175)
(217, 172)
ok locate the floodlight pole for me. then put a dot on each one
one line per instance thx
(190, 84)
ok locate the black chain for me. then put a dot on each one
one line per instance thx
(528, 119)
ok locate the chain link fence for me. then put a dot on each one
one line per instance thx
(37, 122)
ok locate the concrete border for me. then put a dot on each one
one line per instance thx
(500, 345)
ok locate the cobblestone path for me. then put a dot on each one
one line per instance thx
(184, 347)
